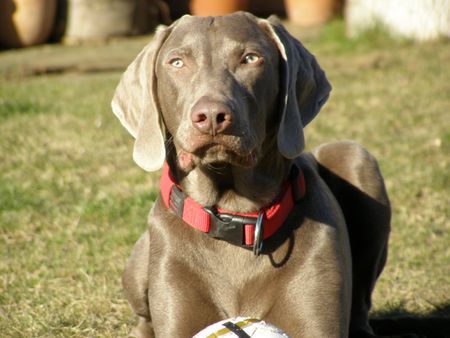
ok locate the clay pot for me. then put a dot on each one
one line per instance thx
(311, 12)
(26, 22)
(217, 7)
(90, 20)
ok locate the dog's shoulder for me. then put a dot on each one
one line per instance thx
(319, 201)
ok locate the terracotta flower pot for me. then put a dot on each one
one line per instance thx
(217, 7)
(311, 12)
(26, 22)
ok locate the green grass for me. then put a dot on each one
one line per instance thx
(72, 202)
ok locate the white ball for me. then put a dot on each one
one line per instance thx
(229, 328)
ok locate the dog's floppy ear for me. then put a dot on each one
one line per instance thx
(135, 104)
(305, 89)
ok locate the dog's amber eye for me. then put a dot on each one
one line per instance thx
(251, 58)
(176, 62)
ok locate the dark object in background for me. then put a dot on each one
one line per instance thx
(149, 14)
(429, 327)
(59, 27)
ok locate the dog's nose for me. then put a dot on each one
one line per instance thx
(210, 116)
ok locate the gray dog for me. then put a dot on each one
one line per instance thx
(247, 224)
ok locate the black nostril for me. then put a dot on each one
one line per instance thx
(200, 117)
(220, 118)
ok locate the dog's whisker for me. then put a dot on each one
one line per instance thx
(169, 145)
(215, 168)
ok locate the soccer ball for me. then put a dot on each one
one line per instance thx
(241, 327)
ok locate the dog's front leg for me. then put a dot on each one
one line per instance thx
(180, 302)
(135, 284)
(317, 301)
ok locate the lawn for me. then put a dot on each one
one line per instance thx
(72, 202)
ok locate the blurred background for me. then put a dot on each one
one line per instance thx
(73, 203)
(31, 22)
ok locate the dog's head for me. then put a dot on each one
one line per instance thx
(214, 89)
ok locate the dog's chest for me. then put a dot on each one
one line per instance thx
(189, 262)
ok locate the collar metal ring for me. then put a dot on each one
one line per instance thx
(258, 234)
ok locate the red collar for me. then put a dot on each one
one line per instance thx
(234, 227)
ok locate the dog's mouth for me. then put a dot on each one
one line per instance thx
(215, 156)
(220, 154)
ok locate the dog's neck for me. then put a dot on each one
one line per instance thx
(235, 188)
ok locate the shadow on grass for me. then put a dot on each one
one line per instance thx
(397, 321)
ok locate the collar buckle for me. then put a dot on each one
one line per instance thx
(229, 227)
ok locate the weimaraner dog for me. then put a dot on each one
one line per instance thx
(247, 224)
